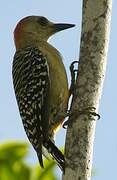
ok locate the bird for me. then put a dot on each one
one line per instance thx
(40, 83)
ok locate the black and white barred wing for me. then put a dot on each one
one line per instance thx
(31, 83)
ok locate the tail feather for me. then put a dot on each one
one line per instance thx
(56, 153)
(40, 158)
(39, 154)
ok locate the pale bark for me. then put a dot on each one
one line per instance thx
(91, 73)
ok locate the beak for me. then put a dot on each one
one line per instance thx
(60, 27)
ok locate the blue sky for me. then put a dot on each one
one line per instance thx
(105, 148)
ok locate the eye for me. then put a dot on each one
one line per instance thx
(43, 21)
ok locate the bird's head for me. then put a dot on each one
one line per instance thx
(36, 28)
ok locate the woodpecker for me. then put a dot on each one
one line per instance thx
(40, 83)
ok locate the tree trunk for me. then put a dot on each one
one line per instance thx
(90, 78)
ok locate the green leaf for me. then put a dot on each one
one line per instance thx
(13, 165)
(46, 173)
(13, 151)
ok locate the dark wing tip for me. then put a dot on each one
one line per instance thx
(56, 153)
(40, 159)
(39, 154)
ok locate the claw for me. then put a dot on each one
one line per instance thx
(88, 110)
(72, 64)
(95, 114)
(65, 124)
(91, 110)
(73, 76)
(72, 70)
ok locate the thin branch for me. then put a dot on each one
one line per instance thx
(91, 73)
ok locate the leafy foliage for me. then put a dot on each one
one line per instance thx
(13, 165)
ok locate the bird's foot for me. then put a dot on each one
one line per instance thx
(90, 111)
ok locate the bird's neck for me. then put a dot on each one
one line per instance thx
(47, 49)
(43, 45)
(25, 39)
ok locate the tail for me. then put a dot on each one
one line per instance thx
(39, 153)
(56, 153)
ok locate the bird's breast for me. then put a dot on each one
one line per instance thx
(58, 93)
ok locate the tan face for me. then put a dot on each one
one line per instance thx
(34, 28)
(35, 25)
